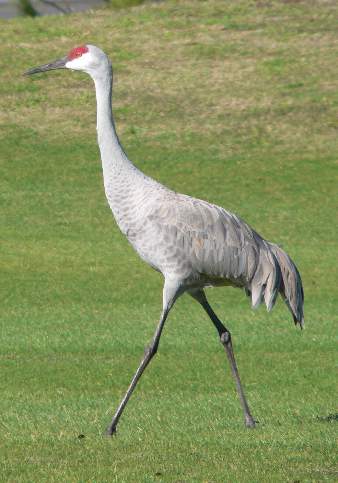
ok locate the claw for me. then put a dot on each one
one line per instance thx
(110, 431)
(250, 422)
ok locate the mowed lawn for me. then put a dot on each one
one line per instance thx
(234, 102)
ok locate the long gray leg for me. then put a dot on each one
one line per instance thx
(171, 291)
(225, 338)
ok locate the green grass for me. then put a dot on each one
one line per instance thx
(235, 102)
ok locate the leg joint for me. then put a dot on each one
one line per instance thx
(225, 337)
(150, 350)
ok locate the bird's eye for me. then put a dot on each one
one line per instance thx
(77, 52)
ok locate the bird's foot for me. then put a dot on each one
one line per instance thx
(110, 431)
(250, 422)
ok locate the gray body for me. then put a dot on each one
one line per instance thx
(193, 243)
(199, 244)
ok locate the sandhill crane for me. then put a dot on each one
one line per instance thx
(193, 243)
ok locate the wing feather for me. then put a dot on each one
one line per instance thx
(197, 241)
(213, 241)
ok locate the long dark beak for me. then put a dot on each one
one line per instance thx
(57, 64)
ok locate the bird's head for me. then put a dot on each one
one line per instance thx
(87, 58)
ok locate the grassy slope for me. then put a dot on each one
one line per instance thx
(230, 101)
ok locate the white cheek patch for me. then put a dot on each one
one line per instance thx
(78, 64)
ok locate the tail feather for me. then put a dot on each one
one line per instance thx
(266, 280)
(276, 273)
(291, 288)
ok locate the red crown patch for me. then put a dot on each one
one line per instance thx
(77, 52)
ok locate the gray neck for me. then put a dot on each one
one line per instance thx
(112, 155)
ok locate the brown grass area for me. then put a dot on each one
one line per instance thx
(188, 76)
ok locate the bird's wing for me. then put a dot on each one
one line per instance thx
(211, 240)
